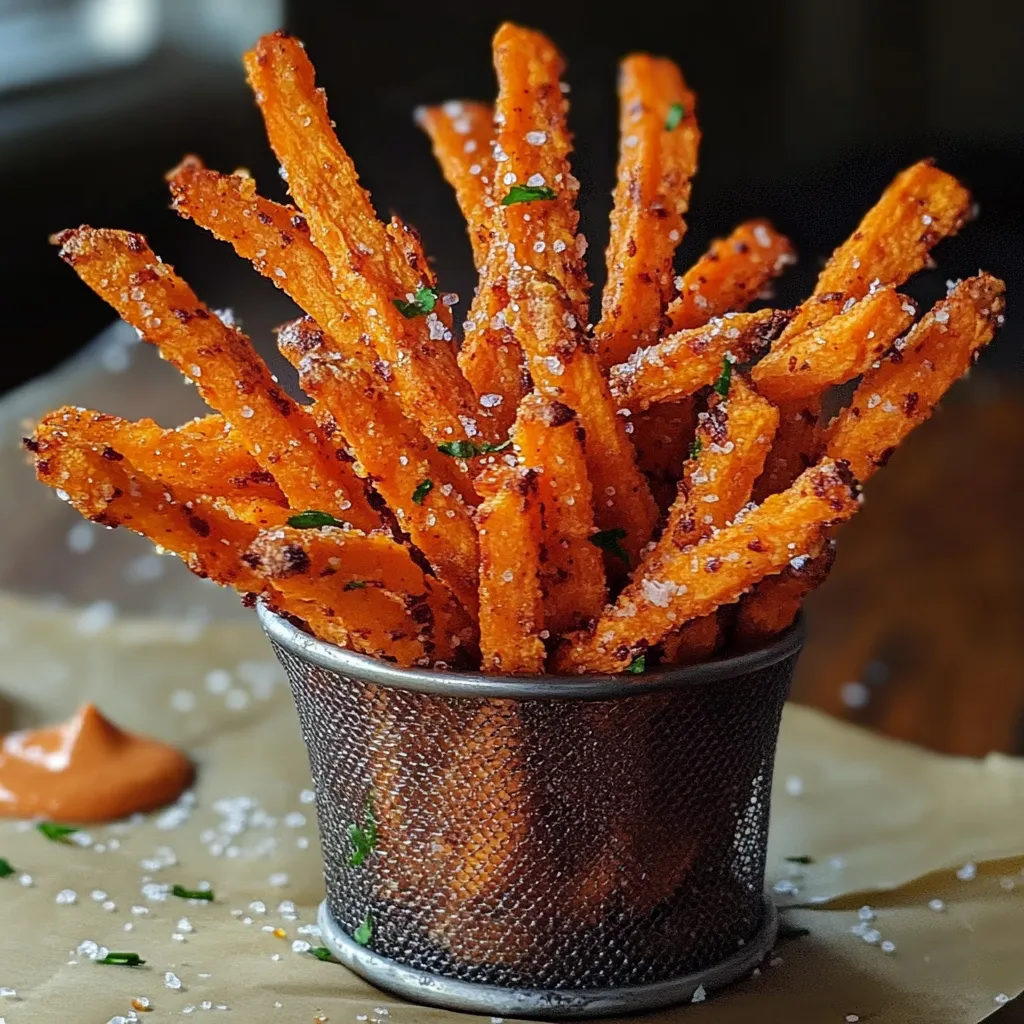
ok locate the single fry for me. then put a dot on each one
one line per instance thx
(491, 358)
(730, 275)
(773, 605)
(538, 232)
(201, 454)
(550, 441)
(658, 141)
(840, 349)
(420, 484)
(922, 206)
(797, 446)
(511, 601)
(366, 263)
(691, 359)
(904, 390)
(566, 370)
(690, 583)
(231, 377)
(732, 439)
(697, 641)
(462, 135)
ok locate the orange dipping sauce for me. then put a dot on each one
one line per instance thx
(87, 770)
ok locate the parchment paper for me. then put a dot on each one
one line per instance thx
(103, 619)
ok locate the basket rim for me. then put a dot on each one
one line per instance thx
(451, 683)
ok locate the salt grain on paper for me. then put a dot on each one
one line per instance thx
(968, 872)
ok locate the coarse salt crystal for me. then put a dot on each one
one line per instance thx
(536, 138)
(794, 785)
(942, 316)
(278, 880)
(171, 980)
(66, 897)
(967, 872)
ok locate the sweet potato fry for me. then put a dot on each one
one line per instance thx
(730, 444)
(511, 602)
(382, 598)
(772, 606)
(732, 439)
(567, 371)
(490, 357)
(200, 454)
(661, 436)
(689, 360)
(281, 435)
(531, 156)
(730, 275)
(462, 135)
(550, 441)
(419, 482)
(366, 263)
(690, 583)
(903, 391)
(921, 207)
(840, 349)
(797, 446)
(658, 141)
(697, 640)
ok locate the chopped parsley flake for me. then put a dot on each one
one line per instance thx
(355, 585)
(802, 859)
(321, 953)
(313, 520)
(57, 833)
(608, 540)
(191, 894)
(122, 960)
(423, 302)
(467, 449)
(696, 446)
(788, 931)
(675, 115)
(528, 194)
(423, 488)
(724, 378)
(637, 665)
(364, 932)
(5, 868)
(363, 835)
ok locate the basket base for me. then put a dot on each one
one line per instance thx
(561, 1004)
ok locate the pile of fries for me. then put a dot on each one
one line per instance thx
(550, 495)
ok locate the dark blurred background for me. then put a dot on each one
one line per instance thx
(808, 108)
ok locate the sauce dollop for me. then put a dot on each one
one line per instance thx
(87, 770)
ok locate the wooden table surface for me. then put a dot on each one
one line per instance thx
(925, 606)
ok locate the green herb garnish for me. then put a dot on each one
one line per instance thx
(423, 488)
(364, 932)
(355, 585)
(57, 833)
(122, 960)
(788, 931)
(313, 520)
(638, 665)
(363, 835)
(724, 378)
(423, 302)
(191, 894)
(675, 114)
(802, 859)
(321, 953)
(468, 449)
(5, 868)
(608, 540)
(528, 194)
(696, 446)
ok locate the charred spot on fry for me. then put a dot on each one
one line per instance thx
(611, 541)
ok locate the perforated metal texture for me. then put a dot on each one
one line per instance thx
(544, 843)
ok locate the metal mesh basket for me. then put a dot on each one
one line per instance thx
(571, 846)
